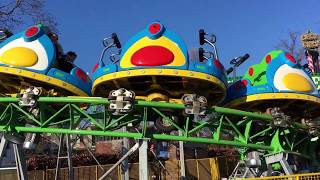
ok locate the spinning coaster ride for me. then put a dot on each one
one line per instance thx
(157, 89)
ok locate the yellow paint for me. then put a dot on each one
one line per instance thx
(297, 82)
(178, 60)
(157, 97)
(19, 56)
(43, 78)
(214, 170)
(268, 96)
(170, 100)
(158, 72)
(293, 177)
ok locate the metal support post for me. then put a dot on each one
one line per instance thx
(242, 171)
(69, 157)
(282, 159)
(132, 150)
(20, 162)
(125, 163)
(6, 148)
(143, 159)
(58, 157)
(182, 162)
(3, 146)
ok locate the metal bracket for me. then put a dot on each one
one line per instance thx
(121, 101)
(242, 171)
(28, 98)
(194, 104)
(253, 159)
(282, 159)
(279, 118)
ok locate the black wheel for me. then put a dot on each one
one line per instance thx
(110, 97)
(164, 126)
(133, 95)
(131, 100)
(112, 110)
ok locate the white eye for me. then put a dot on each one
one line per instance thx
(284, 70)
(41, 62)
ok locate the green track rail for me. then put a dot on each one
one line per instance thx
(225, 126)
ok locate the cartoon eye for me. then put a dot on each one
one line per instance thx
(154, 28)
(268, 58)
(19, 53)
(293, 79)
(251, 71)
(291, 58)
(32, 31)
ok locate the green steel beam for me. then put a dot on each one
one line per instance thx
(75, 131)
(209, 141)
(197, 128)
(12, 113)
(116, 121)
(137, 136)
(235, 128)
(241, 113)
(260, 133)
(168, 119)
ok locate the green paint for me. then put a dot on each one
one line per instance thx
(275, 142)
(276, 166)
(259, 70)
(69, 112)
(106, 69)
(235, 112)
(216, 134)
(57, 73)
(209, 141)
(201, 67)
(247, 131)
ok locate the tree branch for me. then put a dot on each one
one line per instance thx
(18, 3)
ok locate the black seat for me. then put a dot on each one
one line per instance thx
(64, 65)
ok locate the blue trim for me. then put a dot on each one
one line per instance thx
(47, 45)
(102, 70)
(71, 79)
(11, 38)
(205, 67)
(234, 93)
(51, 54)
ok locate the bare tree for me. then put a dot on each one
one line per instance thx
(16, 12)
(292, 45)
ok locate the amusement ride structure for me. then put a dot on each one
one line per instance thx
(155, 89)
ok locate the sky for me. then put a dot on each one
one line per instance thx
(241, 26)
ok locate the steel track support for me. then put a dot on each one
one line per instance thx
(132, 150)
(143, 159)
(69, 157)
(20, 162)
(21, 167)
(282, 159)
(125, 163)
(3, 146)
(182, 162)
